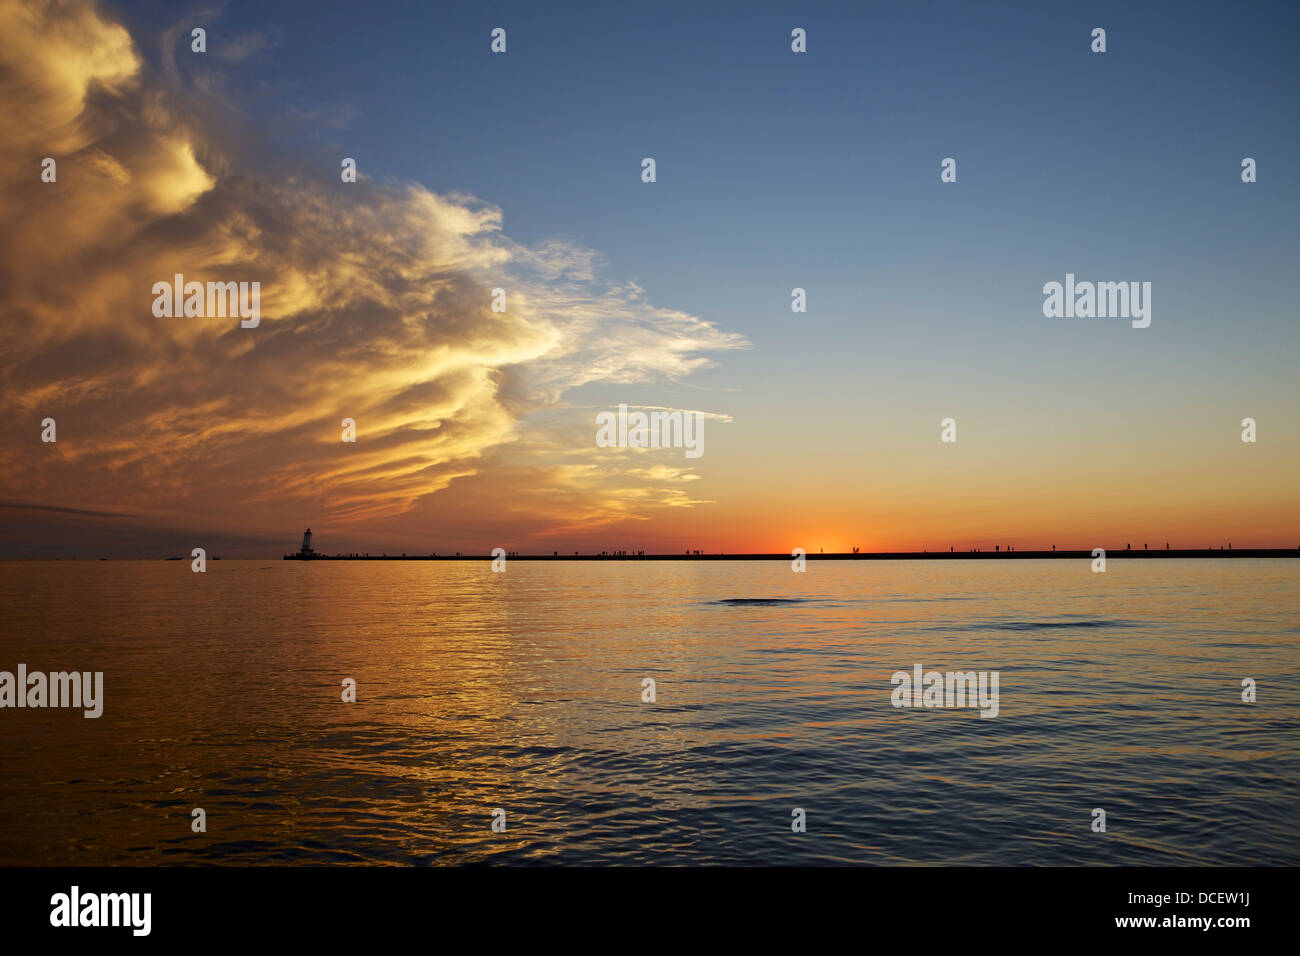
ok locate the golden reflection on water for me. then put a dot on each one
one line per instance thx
(522, 691)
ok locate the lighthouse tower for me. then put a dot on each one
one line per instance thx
(306, 542)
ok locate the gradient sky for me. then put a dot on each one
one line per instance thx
(522, 170)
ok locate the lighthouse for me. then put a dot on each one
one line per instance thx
(306, 542)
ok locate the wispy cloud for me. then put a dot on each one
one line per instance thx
(375, 306)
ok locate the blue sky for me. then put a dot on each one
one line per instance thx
(820, 170)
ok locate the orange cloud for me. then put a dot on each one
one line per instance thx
(375, 306)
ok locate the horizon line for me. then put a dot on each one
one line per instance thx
(819, 556)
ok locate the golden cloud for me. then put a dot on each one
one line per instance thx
(375, 306)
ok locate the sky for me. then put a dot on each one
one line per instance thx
(522, 170)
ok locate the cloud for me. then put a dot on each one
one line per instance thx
(242, 46)
(375, 306)
(70, 511)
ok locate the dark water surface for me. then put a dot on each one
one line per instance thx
(522, 691)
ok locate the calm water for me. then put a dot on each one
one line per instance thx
(522, 691)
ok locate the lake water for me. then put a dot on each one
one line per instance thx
(523, 691)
